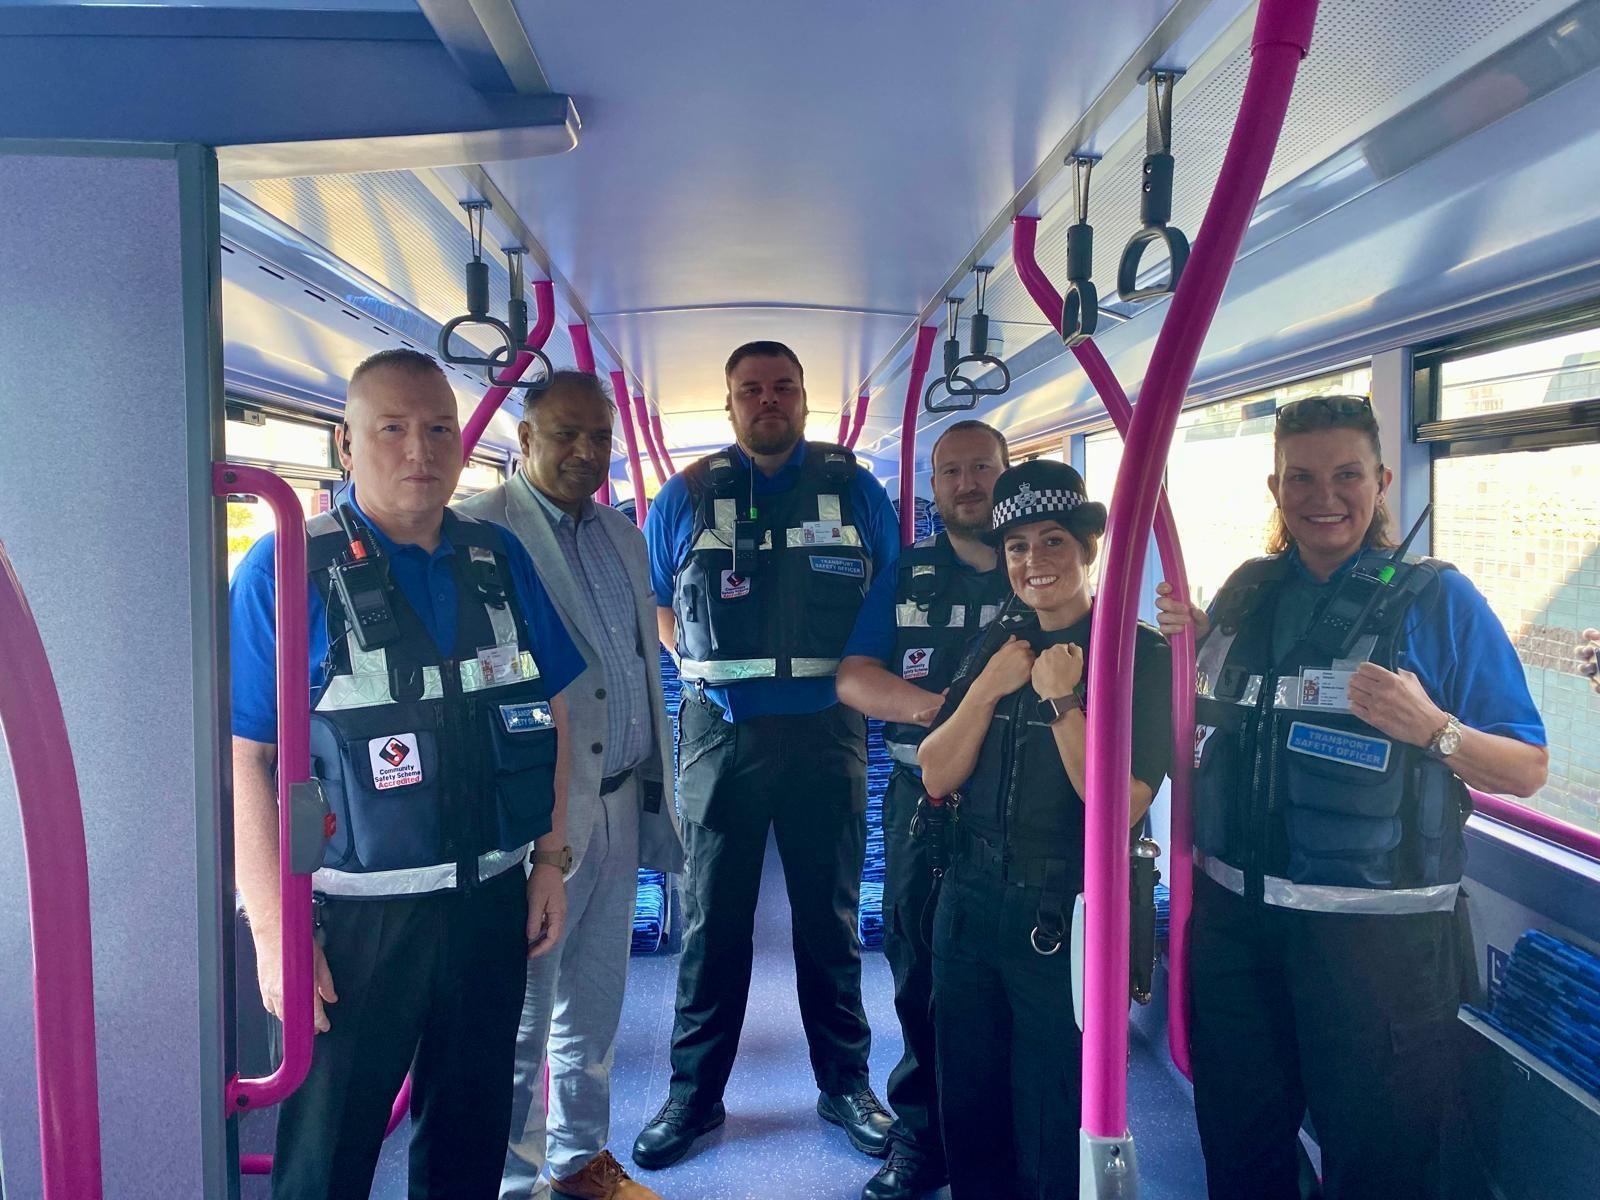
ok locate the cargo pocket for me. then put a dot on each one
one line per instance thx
(705, 748)
(522, 741)
(391, 802)
(1343, 811)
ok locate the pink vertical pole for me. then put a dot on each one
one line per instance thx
(583, 359)
(661, 441)
(844, 425)
(1180, 859)
(56, 862)
(544, 294)
(1282, 34)
(641, 412)
(857, 419)
(294, 766)
(908, 432)
(619, 388)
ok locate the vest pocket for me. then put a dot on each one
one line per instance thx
(1218, 781)
(719, 613)
(1343, 820)
(388, 816)
(831, 595)
(1437, 854)
(524, 764)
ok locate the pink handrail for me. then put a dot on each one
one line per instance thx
(1543, 825)
(294, 767)
(858, 419)
(261, 1164)
(1282, 36)
(661, 441)
(544, 295)
(583, 359)
(619, 388)
(1180, 858)
(641, 411)
(57, 867)
(844, 425)
(908, 432)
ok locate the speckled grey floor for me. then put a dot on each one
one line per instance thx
(774, 1147)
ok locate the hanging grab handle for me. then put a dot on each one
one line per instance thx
(952, 359)
(477, 273)
(1155, 200)
(967, 385)
(517, 329)
(1080, 306)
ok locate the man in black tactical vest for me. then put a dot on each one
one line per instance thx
(761, 555)
(437, 737)
(949, 588)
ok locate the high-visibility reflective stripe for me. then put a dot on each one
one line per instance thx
(369, 688)
(1328, 898)
(828, 508)
(905, 755)
(988, 613)
(909, 615)
(414, 881)
(1210, 661)
(734, 670)
(715, 539)
(813, 668)
(849, 535)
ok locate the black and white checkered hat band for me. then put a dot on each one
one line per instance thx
(1040, 502)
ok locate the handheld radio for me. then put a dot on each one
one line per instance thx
(1359, 595)
(361, 583)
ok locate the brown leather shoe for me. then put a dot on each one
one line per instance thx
(602, 1179)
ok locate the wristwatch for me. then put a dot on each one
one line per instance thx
(560, 859)
(1448, 740)
(1053, 708)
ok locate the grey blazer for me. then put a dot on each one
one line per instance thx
(512, 506)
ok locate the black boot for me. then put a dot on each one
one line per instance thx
(862, 1117)
(904, 1176)
(672, 1131)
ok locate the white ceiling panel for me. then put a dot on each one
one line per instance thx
(829, 154)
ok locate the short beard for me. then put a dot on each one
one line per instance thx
(974, 531)
(778, 442)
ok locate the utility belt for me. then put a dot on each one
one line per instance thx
(1050, 876)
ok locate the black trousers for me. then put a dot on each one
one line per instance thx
(804, 777)
(1351, 1017)
(1010, 1055)
(907, 889)
(433, 985)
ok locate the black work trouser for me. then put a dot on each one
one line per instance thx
(804, 777)
(1010, 1055)
(430, 984)
(1349, 1016)
(907, 889)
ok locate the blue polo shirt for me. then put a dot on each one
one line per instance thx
(428, 584)
(670, 526)
(1456, 646)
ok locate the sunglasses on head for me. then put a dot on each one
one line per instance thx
(1338, 407)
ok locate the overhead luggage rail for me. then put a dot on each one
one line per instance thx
(1282, 36)
(1180, 865)
(544, 296)
(57, 867)
(297, 791)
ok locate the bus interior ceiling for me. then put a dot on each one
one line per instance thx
(825, 175)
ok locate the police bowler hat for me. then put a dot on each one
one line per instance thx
(1042, 490)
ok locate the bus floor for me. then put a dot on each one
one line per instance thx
(774, 1146)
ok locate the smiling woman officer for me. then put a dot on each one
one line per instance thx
(1008, 751)
(1345, 700)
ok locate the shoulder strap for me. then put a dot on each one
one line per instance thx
(832, 463)
(1245, 588)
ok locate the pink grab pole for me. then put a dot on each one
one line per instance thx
(544, 295)
(619, 388)
(1282, 36)
(583, 359)
(661, 441)
(641, 412)
(908, 432)
(57, 867)
(294, 766)
(858, 419)
(1180, 857)
(844, 425)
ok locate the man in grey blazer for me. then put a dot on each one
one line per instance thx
(593, 563)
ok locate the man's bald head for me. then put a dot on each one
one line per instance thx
(420, 369)
(401, 437)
